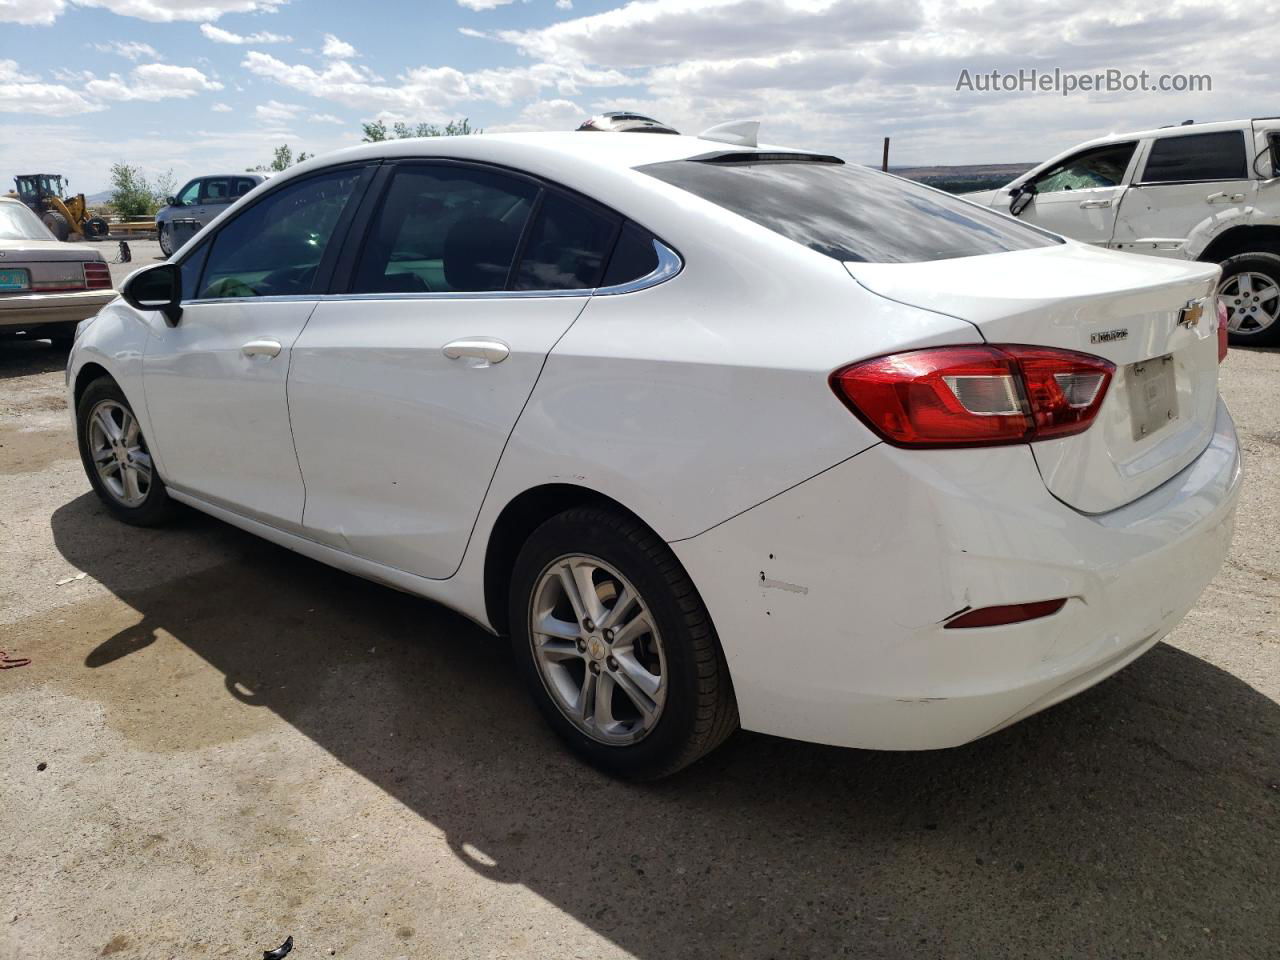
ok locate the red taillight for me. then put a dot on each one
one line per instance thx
(975, 395)
(1010, 613)
(1222, 330)
(97, 276)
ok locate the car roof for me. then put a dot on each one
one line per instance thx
(1170, 130)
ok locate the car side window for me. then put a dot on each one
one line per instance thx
(216, 190)
(567, 246)
(1099, 167)
(190, 269)
(274, 247)
(190, 194)
(1197, 156)
(633, 257)
(445, 229)
(240, 186)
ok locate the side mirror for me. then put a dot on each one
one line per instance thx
(156, 288)
(1021, 198)
(171, 201)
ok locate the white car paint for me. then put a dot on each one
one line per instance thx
(829, 560)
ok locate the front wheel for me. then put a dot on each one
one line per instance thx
(166, 242)
(57, 224)
(616, 645)
(116, 457)
(1250, 288)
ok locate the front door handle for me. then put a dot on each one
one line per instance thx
(1094, 204)
(479, 348)
(1225, 198)
(266, 347)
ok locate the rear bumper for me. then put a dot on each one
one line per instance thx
(19, 311)
(830, 598)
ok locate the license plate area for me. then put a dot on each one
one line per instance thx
(1153, 395)
(15, 279)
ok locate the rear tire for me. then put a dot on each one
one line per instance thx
(57, 224)
(103, 413)
(1250, 288)
(664, 651)
(95, 228)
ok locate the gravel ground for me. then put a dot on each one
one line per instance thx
(218, 743)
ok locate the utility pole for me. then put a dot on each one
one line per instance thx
(884, 163)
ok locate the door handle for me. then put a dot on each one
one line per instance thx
(1094, 204)
(266, 347)
(1225, 198)
(478, 348)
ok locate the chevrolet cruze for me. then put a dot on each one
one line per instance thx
(720, 435)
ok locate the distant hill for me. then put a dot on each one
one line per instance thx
(98, 199)
(966, 177)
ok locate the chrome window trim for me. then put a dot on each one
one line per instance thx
(669, 265)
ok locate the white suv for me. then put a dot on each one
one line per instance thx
(1202, 191)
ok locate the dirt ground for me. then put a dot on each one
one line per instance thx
(218, 743)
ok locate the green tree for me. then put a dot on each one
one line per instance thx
(133, 195)
(282, 160)
(376, 131)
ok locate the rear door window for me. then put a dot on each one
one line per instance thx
(633, 257)
(846, 211)
(567, 247)
(445, 229)
(1198, 156)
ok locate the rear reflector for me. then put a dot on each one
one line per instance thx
(975, 395)
(1222, 331)
(97, 275)
(1012, 613)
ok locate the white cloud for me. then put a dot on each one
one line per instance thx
(45, 12)
(325, 118)
(336, 49)
(564, 4)
(130, 50)
(483, 4)
(218, 35)
(221, 108)
(152, 81)
(544, 115)
(275, 112)
(24, 93)
(423, 91)
(36, 12)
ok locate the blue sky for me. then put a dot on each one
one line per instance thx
(208, 85)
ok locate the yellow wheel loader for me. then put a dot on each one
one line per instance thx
(67, 217)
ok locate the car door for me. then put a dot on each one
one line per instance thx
(215, 382)
(1079, 197)
(404, 390)
(1185, 181)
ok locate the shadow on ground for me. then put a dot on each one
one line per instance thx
(1140, 818)
(26, 357)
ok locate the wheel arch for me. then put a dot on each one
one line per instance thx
(517, 520)
(88, 373)
(1264, 238)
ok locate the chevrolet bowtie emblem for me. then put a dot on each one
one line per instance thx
(1190, 315)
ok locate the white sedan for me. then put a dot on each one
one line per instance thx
(720, 435)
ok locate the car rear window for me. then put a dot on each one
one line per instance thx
(848, 212)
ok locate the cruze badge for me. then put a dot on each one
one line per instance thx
(1109, 336)
(1190, 315)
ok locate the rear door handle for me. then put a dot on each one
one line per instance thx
(1094, 204)
(1225, 198)
(478, 348)
(266, 347)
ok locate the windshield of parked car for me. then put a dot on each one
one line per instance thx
(19, 223)
(847, 211)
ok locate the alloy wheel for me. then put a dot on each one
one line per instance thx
(1253, 302)
(119, 453)
(597, 649)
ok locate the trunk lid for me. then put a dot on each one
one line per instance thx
(1160, 409)
(50, 264)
